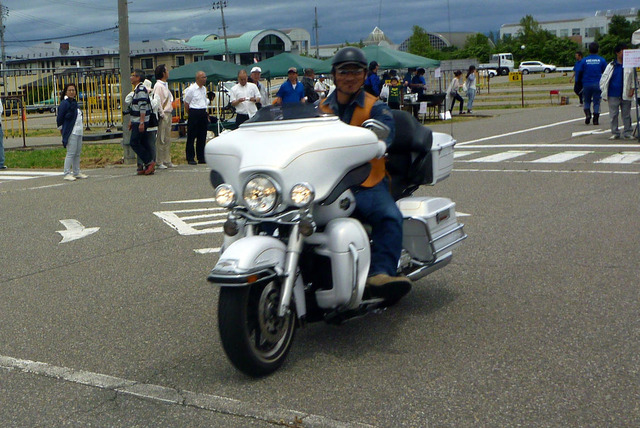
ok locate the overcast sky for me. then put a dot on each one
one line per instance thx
(339, 20)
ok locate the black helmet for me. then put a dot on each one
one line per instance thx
(349, 55)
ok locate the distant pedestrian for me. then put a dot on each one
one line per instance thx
(244, 96)
(164, 97)
(196, 102)
(452, 93)
(321, 87)
(140, 112)
(577, 85)
(470, 84)
(291, 91)
(372, 82)
(406, 81)
(617, 88)
(308, 83)
(152, 127)
(69, 122)
(2, 165)
(418, 86)
(590, 74)
(392, 94)
(254, 78)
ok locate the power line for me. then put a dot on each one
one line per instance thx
(63, 37)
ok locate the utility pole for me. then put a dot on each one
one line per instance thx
(315, 26)
(125, 71)
(4, 11)
(221, 4)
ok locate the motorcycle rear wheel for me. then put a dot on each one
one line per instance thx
(254, 338)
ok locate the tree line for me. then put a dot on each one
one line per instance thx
(531, 42)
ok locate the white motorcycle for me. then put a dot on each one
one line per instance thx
(292, 254)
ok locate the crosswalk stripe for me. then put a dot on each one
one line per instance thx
(623, 158)
(499, 157)
(561, 157)
(457, 155)
(30, 173)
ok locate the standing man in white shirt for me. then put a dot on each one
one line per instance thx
(244, 96)
(196, 102)
(321, 87)
(164, 97)
(255, 78)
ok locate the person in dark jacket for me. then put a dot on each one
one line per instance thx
(69, 122)
(372, 83)
(308, 83)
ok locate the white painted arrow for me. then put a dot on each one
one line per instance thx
(75, 230)
(593, 132)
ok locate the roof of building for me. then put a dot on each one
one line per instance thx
(377, 37)
(199, 38)
(151, 47)
(236, 44)
(53, 50)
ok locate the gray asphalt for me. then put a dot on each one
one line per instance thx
(534, 323)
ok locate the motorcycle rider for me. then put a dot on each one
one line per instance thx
(374, 203)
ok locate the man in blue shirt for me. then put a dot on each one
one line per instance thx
(291, 91)
(577, 85)
(590, 74)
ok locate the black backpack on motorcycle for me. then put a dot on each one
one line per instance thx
(409, 157)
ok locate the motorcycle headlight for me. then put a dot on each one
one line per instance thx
(260, 194)
(302, 194)
(225, 196)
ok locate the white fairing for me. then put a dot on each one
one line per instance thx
(319, 151)
(346, 243)
(250, 254)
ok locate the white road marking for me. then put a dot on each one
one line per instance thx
(457, 155)
(522, 131)
(189, 201)
(621, 158)
(459, 214)
(592, 132)
(173, 396)
(561, 157)
(182, 227)
(75, 230)
(207, 250)
(541, 145)
(499, 157)
(548, 171)
(29, 173)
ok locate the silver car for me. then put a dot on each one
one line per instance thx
(527, 67)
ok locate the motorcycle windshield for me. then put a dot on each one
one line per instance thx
(291, 144)
(274, 113)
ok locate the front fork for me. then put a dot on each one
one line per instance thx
(294, 248)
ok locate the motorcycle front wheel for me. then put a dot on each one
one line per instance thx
(254, 337)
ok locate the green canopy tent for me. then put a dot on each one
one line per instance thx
(277, 66)
(388, 58)
(215, 70)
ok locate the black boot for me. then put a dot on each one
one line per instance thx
(587, 114)
(596, 116)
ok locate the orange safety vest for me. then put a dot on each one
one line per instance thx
(360, 114)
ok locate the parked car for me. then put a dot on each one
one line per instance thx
(527, 67)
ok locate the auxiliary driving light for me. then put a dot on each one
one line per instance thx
(302, 194)
(225, 196)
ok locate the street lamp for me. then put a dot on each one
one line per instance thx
(221, 4)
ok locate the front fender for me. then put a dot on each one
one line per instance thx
(249, 260)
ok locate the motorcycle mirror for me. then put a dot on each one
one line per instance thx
(380, 129)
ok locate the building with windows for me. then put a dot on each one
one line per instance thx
(440, 41)
(582, 30)
(253, 46)
(145, 55)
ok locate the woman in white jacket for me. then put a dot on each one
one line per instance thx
(617, 88)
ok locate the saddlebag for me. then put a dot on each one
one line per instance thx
(430, 227)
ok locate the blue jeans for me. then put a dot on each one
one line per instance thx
(471, 94)
(592, 93)
(375, 206)
(1, 147)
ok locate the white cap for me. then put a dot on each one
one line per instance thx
(147, 83)
(258, 69)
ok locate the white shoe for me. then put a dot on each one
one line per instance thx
(161, 166)
(69, 177)
(170, 165)
(614, 137)
(81, 175)
(629, 137)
